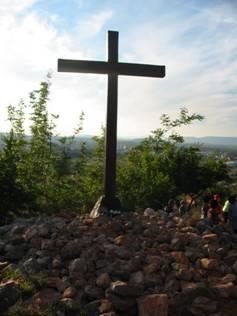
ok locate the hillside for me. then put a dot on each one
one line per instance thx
(213, 140)
(145, 264)
(224, 144)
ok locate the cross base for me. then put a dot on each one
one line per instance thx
(105, 205)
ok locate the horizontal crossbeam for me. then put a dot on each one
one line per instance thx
(102, 67)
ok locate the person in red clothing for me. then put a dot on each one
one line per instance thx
(214, 213)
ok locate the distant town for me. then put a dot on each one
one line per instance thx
(222, 147)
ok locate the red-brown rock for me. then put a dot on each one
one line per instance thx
(153, 305)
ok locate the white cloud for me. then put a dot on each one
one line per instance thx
(93, 23)
(201, 69)
(14, 6)
(200, 72)
(30, 47)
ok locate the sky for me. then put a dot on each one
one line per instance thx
(196, 40)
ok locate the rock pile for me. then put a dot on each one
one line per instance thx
(146, 264)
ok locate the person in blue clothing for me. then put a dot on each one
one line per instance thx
(232, 214)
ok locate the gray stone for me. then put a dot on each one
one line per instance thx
(14, 252)
(78, 265)
(9, 294)
(31, 266)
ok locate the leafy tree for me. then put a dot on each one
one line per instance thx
(91, 173)
(161, 168)
(36, 172)
(36, 176)
(12, 194)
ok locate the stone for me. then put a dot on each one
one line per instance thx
(152, 280)
(210, 237)
(71, 250)
(231, 257)
(43, 262)
(98, 307)
(44, 298)
(209, 264)
(14, 252)
(180, 257)
(57, 263)
(123, 304)
(69, 292)
(229, 278)
(122, 240)
(103, 280)
(9, 294)
(137, 278)
(78, 265)
(153, 267)
(31, 266)
(4, 229)
(121, 252)
(110, 264)
(184, 274)
(94, 292)
(57, 283)
(149, 212)
(205, 304)
(189, 287)
(153, 305)
(124, 289)
(43, 230)
(234, 267)
(3, 264)
(47, 244)
(223, 290)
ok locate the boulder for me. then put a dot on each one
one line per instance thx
(153, 305)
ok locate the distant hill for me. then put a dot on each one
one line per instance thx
(212, 140)
(208, 141)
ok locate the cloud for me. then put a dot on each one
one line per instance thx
(30, 47)
(14, 6)
(198, 48)
(94, 23)
(200, 56)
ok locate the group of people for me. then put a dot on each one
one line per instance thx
(215, 212)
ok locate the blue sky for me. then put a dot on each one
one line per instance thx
(195, 39)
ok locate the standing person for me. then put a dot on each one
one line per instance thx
(233, 214)
(206, 204)
(182, 207)
(217, 198)
(226, 207)
(171, 206)
(214, 212)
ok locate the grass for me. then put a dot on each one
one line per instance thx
(26, 284)
(20, 309)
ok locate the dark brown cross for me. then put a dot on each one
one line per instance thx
(112, 68)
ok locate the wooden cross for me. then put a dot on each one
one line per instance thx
(112, 68)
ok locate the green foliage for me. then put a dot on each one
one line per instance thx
(140, 180)
(39, 176)
(25, 284)
(37, 171)
(160, 168)
(90, 172)
(21, 309)
(12, 193)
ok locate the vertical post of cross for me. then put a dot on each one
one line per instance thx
(111, 126)
(113, 68)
